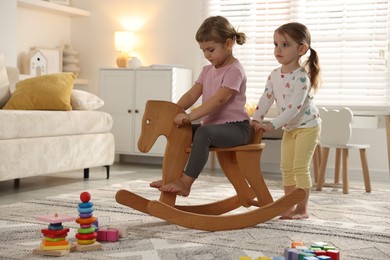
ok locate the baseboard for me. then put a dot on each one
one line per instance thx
(140, 159)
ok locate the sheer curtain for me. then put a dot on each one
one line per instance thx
(350, 36)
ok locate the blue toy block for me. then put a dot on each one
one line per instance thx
(288, 253)
(310, 251)
(324, 257)
(295, 255)
(310, 258)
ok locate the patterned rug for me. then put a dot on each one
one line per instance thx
(357, 224)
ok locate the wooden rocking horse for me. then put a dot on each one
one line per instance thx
(241, 165)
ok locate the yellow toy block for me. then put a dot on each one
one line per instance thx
(65, 247)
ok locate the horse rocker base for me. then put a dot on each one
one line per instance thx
(241, 165)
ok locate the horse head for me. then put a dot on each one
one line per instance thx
(158, 120)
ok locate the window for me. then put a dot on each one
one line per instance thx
(350, 37)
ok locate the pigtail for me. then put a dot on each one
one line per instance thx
(240, 38)
(312, 65)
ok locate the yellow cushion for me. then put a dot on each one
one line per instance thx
(46, 92)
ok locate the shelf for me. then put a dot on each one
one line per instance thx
(52, 7)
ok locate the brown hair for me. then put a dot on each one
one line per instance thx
(300, 34)
(218, 29)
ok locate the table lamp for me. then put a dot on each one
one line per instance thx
(124, 41)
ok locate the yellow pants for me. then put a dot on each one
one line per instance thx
(297, 151)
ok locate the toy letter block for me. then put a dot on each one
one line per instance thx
(334, 254)
(288, 252)
(294, 244)
(245, 258)
(319, 252)
(123, 232)
(324, 257)
(278, 258)
(295, 255)
(310, 258)
(109, 235)
(302, 255)
(326, 248)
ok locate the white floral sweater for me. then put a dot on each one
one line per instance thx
(293, 97)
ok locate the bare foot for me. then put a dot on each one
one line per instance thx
(287, 214)
(177, 187)
(181, 186)
(156, 184)
(299, 214)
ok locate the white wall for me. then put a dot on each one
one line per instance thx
(8, 29)
(55, 31)
(166, 36)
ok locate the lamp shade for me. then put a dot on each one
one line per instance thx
(124, 40)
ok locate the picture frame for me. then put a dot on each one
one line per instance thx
(54, 59)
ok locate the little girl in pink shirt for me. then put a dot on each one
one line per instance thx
(222, 86)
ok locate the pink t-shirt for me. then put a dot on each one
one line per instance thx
(230, 76)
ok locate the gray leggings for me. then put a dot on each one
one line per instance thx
(223, 135)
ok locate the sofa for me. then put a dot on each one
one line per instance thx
(45, 140)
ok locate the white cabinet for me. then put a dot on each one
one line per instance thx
(125, 92)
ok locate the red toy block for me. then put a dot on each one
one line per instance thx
(334, 254)
(109, 235)
(319, 252)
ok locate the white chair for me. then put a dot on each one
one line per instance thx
(336, 132)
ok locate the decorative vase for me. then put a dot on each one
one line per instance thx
(134, 63)
(70, 60)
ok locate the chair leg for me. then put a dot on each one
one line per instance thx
(86, 173)
(16, 183)
(107, 171)
(345, 171)
(324, 161)
(366, 174)
(337, 166)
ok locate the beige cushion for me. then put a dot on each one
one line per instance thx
(47, 92)
(4, 83)
(82, 100)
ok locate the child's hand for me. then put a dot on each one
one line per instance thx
(266, 126)
(255, 125)
(181, 119)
